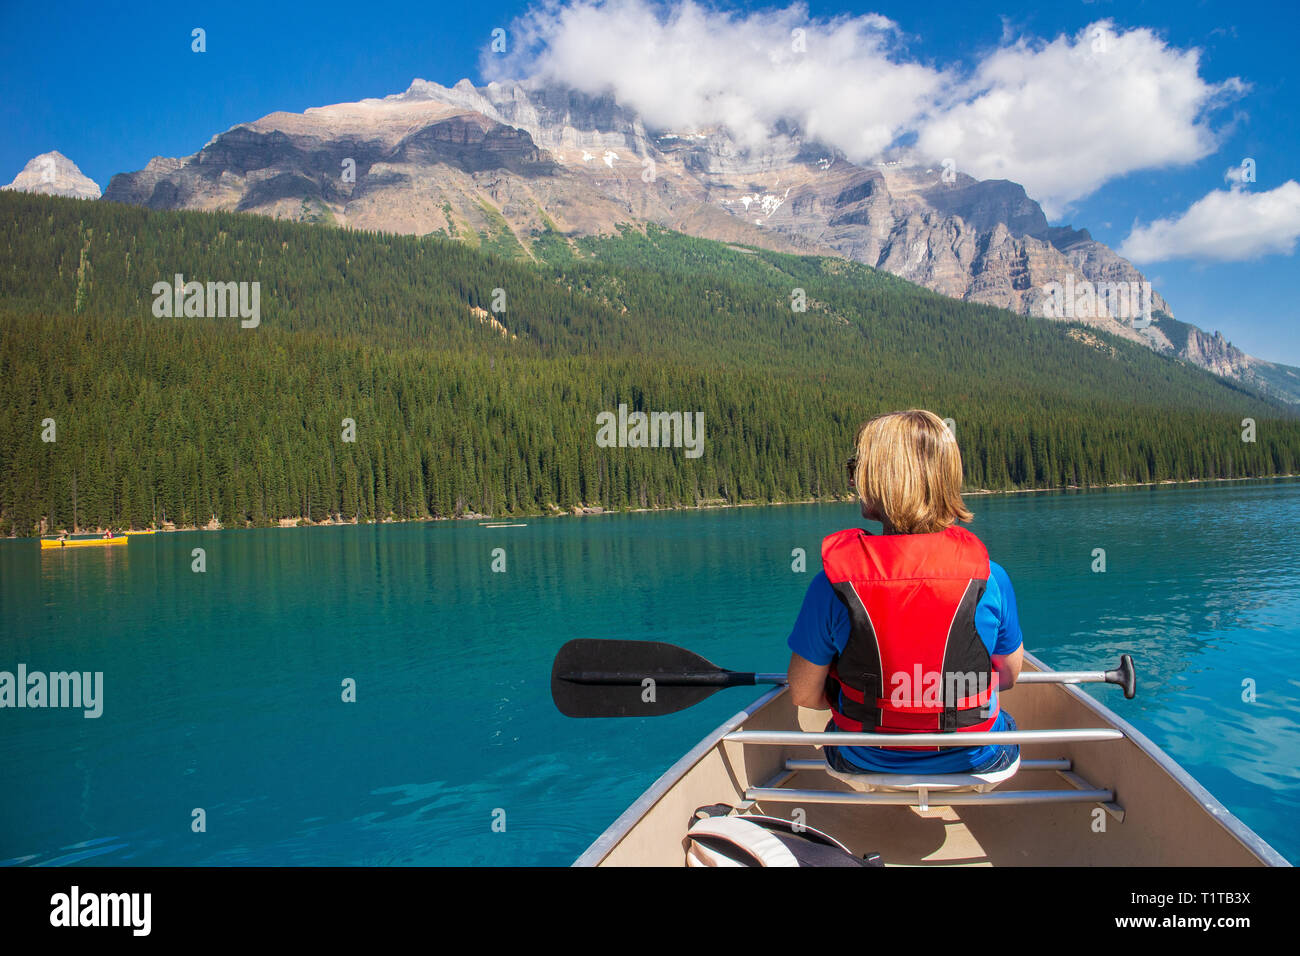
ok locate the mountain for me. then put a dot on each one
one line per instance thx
(501, 165)
(53, 174)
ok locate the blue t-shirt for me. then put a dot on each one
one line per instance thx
(821, 633)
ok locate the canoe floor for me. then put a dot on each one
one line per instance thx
(1165, 824)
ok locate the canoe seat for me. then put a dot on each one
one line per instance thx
(867, 782)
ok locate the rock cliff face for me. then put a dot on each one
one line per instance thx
(1213, 352)
(502, 163)
(53, 174)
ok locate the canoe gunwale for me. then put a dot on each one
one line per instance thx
(629, 818)
(620, 828)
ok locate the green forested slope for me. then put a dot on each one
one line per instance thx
(195, 417)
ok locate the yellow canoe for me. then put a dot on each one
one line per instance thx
(47, 543)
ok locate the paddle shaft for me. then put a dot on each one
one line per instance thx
(696, 679)
(1063, 677)
(742, 679)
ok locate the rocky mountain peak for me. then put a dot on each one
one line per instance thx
(53, 174)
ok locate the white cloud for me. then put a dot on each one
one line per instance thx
(1062, 117)
(686, 67)
(1227, 225)
(1065, 117)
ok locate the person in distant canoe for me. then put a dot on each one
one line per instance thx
(912, 630)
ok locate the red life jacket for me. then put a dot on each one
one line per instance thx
(914, 662)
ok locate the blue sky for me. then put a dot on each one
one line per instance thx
(111, 88)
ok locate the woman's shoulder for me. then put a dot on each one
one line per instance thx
(998, 576)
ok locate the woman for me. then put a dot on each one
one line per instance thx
(915, 629)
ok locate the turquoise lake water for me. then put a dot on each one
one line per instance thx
(222, 690)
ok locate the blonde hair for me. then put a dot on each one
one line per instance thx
(908, 472)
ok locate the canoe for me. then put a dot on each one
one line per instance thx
(1114, 800)
(47, 543)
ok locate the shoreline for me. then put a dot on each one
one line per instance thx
(595, 512)
(1131, 484)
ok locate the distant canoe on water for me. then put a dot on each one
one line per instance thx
(48, 544)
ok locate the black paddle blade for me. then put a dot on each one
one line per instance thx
(599, 678)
